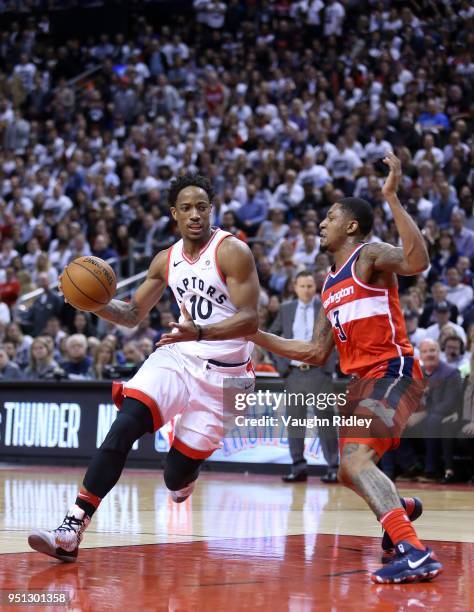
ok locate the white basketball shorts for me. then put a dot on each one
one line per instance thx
(171, 383)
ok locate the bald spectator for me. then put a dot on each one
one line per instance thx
(441, 414)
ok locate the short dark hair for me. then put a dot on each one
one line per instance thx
(190, 179)
(361, 211)
(304, 273)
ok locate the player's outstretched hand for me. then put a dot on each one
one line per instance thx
(394, 177)
(182, 332)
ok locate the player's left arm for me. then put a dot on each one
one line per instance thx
(412, 258)
(236, 262)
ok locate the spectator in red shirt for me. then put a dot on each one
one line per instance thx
(10, 289)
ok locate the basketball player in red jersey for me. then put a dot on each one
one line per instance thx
(213, 276)
(361, 315)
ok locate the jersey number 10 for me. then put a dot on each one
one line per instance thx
(197, 307)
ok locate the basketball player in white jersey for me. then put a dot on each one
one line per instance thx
(213, 278)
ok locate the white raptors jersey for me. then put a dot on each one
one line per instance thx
(201, 286)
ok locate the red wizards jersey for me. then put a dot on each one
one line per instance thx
(367, 321)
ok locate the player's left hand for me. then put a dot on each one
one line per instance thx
(182, 332)
(392, 182)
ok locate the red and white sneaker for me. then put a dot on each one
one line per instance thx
(63, 542)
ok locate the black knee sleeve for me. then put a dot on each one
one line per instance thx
(180, 470)
(132, 422)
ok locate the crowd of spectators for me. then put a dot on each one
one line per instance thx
(285, 106)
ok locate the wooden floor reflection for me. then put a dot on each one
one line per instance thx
(239, 543)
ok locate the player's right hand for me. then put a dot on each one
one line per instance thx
(181, 332)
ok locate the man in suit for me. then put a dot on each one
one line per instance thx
(46, 306)
(296, 320)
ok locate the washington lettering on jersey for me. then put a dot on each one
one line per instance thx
(200, 285)
(367, 321)
(335, 298)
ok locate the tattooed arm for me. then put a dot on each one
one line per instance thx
(146, 296)
(315, 352)
(412, 258)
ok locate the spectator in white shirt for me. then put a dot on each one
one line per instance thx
(459, 294)
(441, 312)
(211, 12)
(290, 193)
(422, 204)
(415, 334)
(26, 71)
(429, 152)
(455, 147)
(4, 313)
(32, 254)
(344, 163)
(312, 172)
(59, 203)
(312, 8)
(241, 109)
(324, 146)
(305, 258)
(334, 15)
(377, 148)
(7, 253)
(175, 48)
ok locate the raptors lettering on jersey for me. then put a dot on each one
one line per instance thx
(367, 321)
(200, 286)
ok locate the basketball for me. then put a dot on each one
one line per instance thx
(88, 283)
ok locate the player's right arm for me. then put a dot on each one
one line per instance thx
(146, 296)
(315, 352)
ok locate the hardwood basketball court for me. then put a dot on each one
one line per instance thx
(239, 543)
